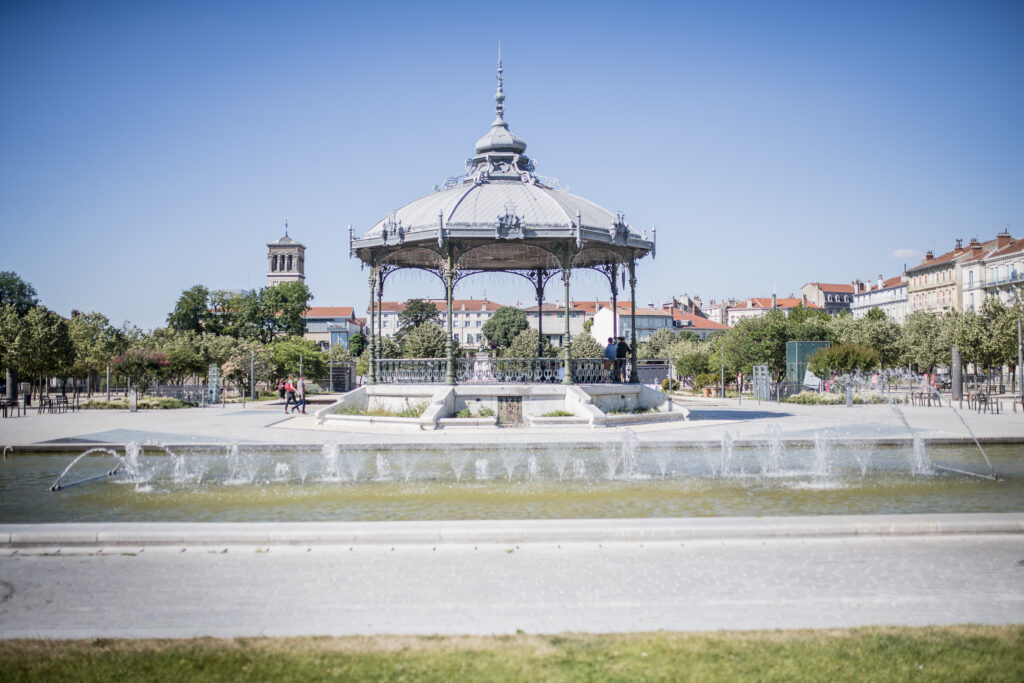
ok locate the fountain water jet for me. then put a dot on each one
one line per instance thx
(481, 469)
(56, 486)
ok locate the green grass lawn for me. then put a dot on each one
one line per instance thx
(963, 653)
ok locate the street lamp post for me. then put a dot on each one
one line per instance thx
(1020, 362)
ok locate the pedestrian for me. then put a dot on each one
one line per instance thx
(289, 391)
(280, 388)
(609, 357)
(621, 353)
(300, 391)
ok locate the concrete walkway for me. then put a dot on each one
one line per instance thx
(266, 423)
(720, 574)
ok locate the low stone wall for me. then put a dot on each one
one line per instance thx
(595, 405)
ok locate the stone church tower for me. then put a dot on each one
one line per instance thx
(286, 260)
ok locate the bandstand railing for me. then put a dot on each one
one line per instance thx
(510, 371)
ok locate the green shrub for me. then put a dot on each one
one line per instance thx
(486, 412)
(669, 384)
(464, 413)
(639, 410)
(811, 398)
(558, 413)
(410, 410)
(146, 403)
(704, 379)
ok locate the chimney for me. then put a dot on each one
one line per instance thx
(775, 302)
(1003, 239)
(929, 255)
(880, 280)
(975, 244)
(959, 243)
(803, 300)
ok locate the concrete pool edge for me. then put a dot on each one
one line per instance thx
(119, 534)
(157, 449)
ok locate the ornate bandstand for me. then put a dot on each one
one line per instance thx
(500, 216)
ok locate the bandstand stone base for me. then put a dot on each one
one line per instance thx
(595, 405)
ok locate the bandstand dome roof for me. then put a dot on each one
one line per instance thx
(503, 215)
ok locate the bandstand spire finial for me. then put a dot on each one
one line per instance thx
(499, 97)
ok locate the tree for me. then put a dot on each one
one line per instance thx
(17, 292)
(691, 358)
(426, 340)
(21, 297)
(416, 312)
(873, 331)
(183, 351)
(505, 326)
(657, 345)
(287, 302)
(192, 311)
(525, 345)
(754, 341)
(95, 343)
(141, 366)
(356, 344)
(12, 339)
(239, 365)
(876, 314)
(287, 352)
(263, 314)
(808, 324)
(223, 313)
(338, 353)
(842, 358)
(585, 346)
(216, 349)
(50, 350)
(923, 341)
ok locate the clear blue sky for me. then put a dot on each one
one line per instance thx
(149, 146)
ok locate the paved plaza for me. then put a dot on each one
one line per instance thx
(266, 423)
(184, 580)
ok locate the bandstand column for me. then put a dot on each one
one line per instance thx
(567, 375)
(615, 299)
(449, 282)
(540, 312)
(634, 376)
(370, 373)
(380, 313)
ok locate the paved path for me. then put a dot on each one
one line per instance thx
(538, 588)
(266, 423)
(757, 581)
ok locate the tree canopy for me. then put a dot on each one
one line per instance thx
(192, 311)
(426, 340)
(525, 345)
(16, 292)
(504, 326)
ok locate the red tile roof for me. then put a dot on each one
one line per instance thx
(697, 322)
(442, 305)
(766, 303)
(329, 312)
(826, 287)
(595, 306)
(552, 308)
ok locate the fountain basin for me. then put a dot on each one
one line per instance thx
(613, 480)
